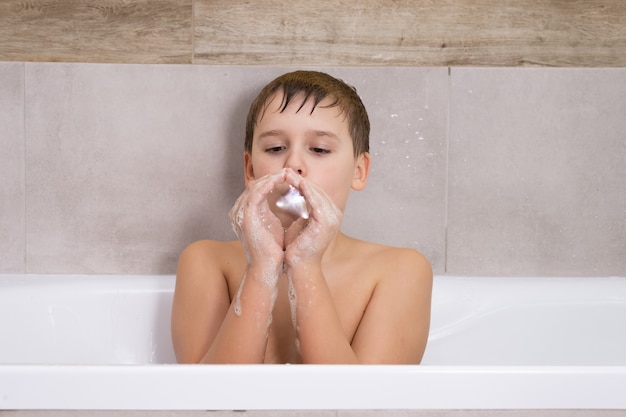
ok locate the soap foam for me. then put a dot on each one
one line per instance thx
(293, 202)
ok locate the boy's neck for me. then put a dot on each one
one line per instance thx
(335, 248)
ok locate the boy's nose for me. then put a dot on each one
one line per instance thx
(295, 163)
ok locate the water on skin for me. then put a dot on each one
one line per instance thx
(291, 292)
(292, 201)
(237, 300)
(270, 275)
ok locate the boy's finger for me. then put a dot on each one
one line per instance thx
(264, 185)
(322, 207)
(292, 177)
(294, 230)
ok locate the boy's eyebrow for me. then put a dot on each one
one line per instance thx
(273, 132)
(330, 134)
(315, 133)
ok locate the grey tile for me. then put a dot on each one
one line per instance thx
(404, 201)
(291, 413)
(317, 413)
(483, 413)
(401, 413)
(537, 173)
(12, 168)
(120, 413)
(128, 164)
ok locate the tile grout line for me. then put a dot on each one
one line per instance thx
(24, 171)
(447, 177)
(193, 32)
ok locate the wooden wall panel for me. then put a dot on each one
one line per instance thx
(137, 31)
(421, 32)
(564, 33)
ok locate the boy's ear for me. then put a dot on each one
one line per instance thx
(361, 171)
(248, 170)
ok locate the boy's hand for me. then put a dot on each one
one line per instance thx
(307, 240)
(258, 229)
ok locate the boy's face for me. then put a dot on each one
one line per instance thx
(317, 145)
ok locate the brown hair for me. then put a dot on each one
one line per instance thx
(316, 86)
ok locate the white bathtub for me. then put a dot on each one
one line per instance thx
(102, 343)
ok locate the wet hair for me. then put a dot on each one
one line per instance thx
(316, 86)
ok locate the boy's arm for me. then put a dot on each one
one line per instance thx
(209, 327)
(321, 338)
(205, 328)
(395, 324)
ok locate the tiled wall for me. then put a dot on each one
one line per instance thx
(114, 168)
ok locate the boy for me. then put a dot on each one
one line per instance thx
(294, 288)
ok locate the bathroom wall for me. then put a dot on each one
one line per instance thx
(114, 168)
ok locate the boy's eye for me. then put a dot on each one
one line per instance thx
(320, 150)
(274, 149)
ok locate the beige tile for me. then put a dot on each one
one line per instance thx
(410, 33)
(404, 201)
(135, 31)
(537, 172)
(12, 168)
(128, 164)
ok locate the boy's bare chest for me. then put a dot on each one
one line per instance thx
(350, 299)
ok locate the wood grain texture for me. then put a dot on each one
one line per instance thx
(562, 33)
(586, 33)
(137, 31)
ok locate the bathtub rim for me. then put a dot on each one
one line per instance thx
(157, 387)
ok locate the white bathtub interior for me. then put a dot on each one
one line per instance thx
(476, 321)
(494, 343)
(86, 320)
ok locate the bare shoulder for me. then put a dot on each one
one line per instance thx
(409, 261)
(205, 261)
(394, 264)
(404, 258)
(209, 254)
(408, 272)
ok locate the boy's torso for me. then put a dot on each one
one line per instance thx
(351, 282)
